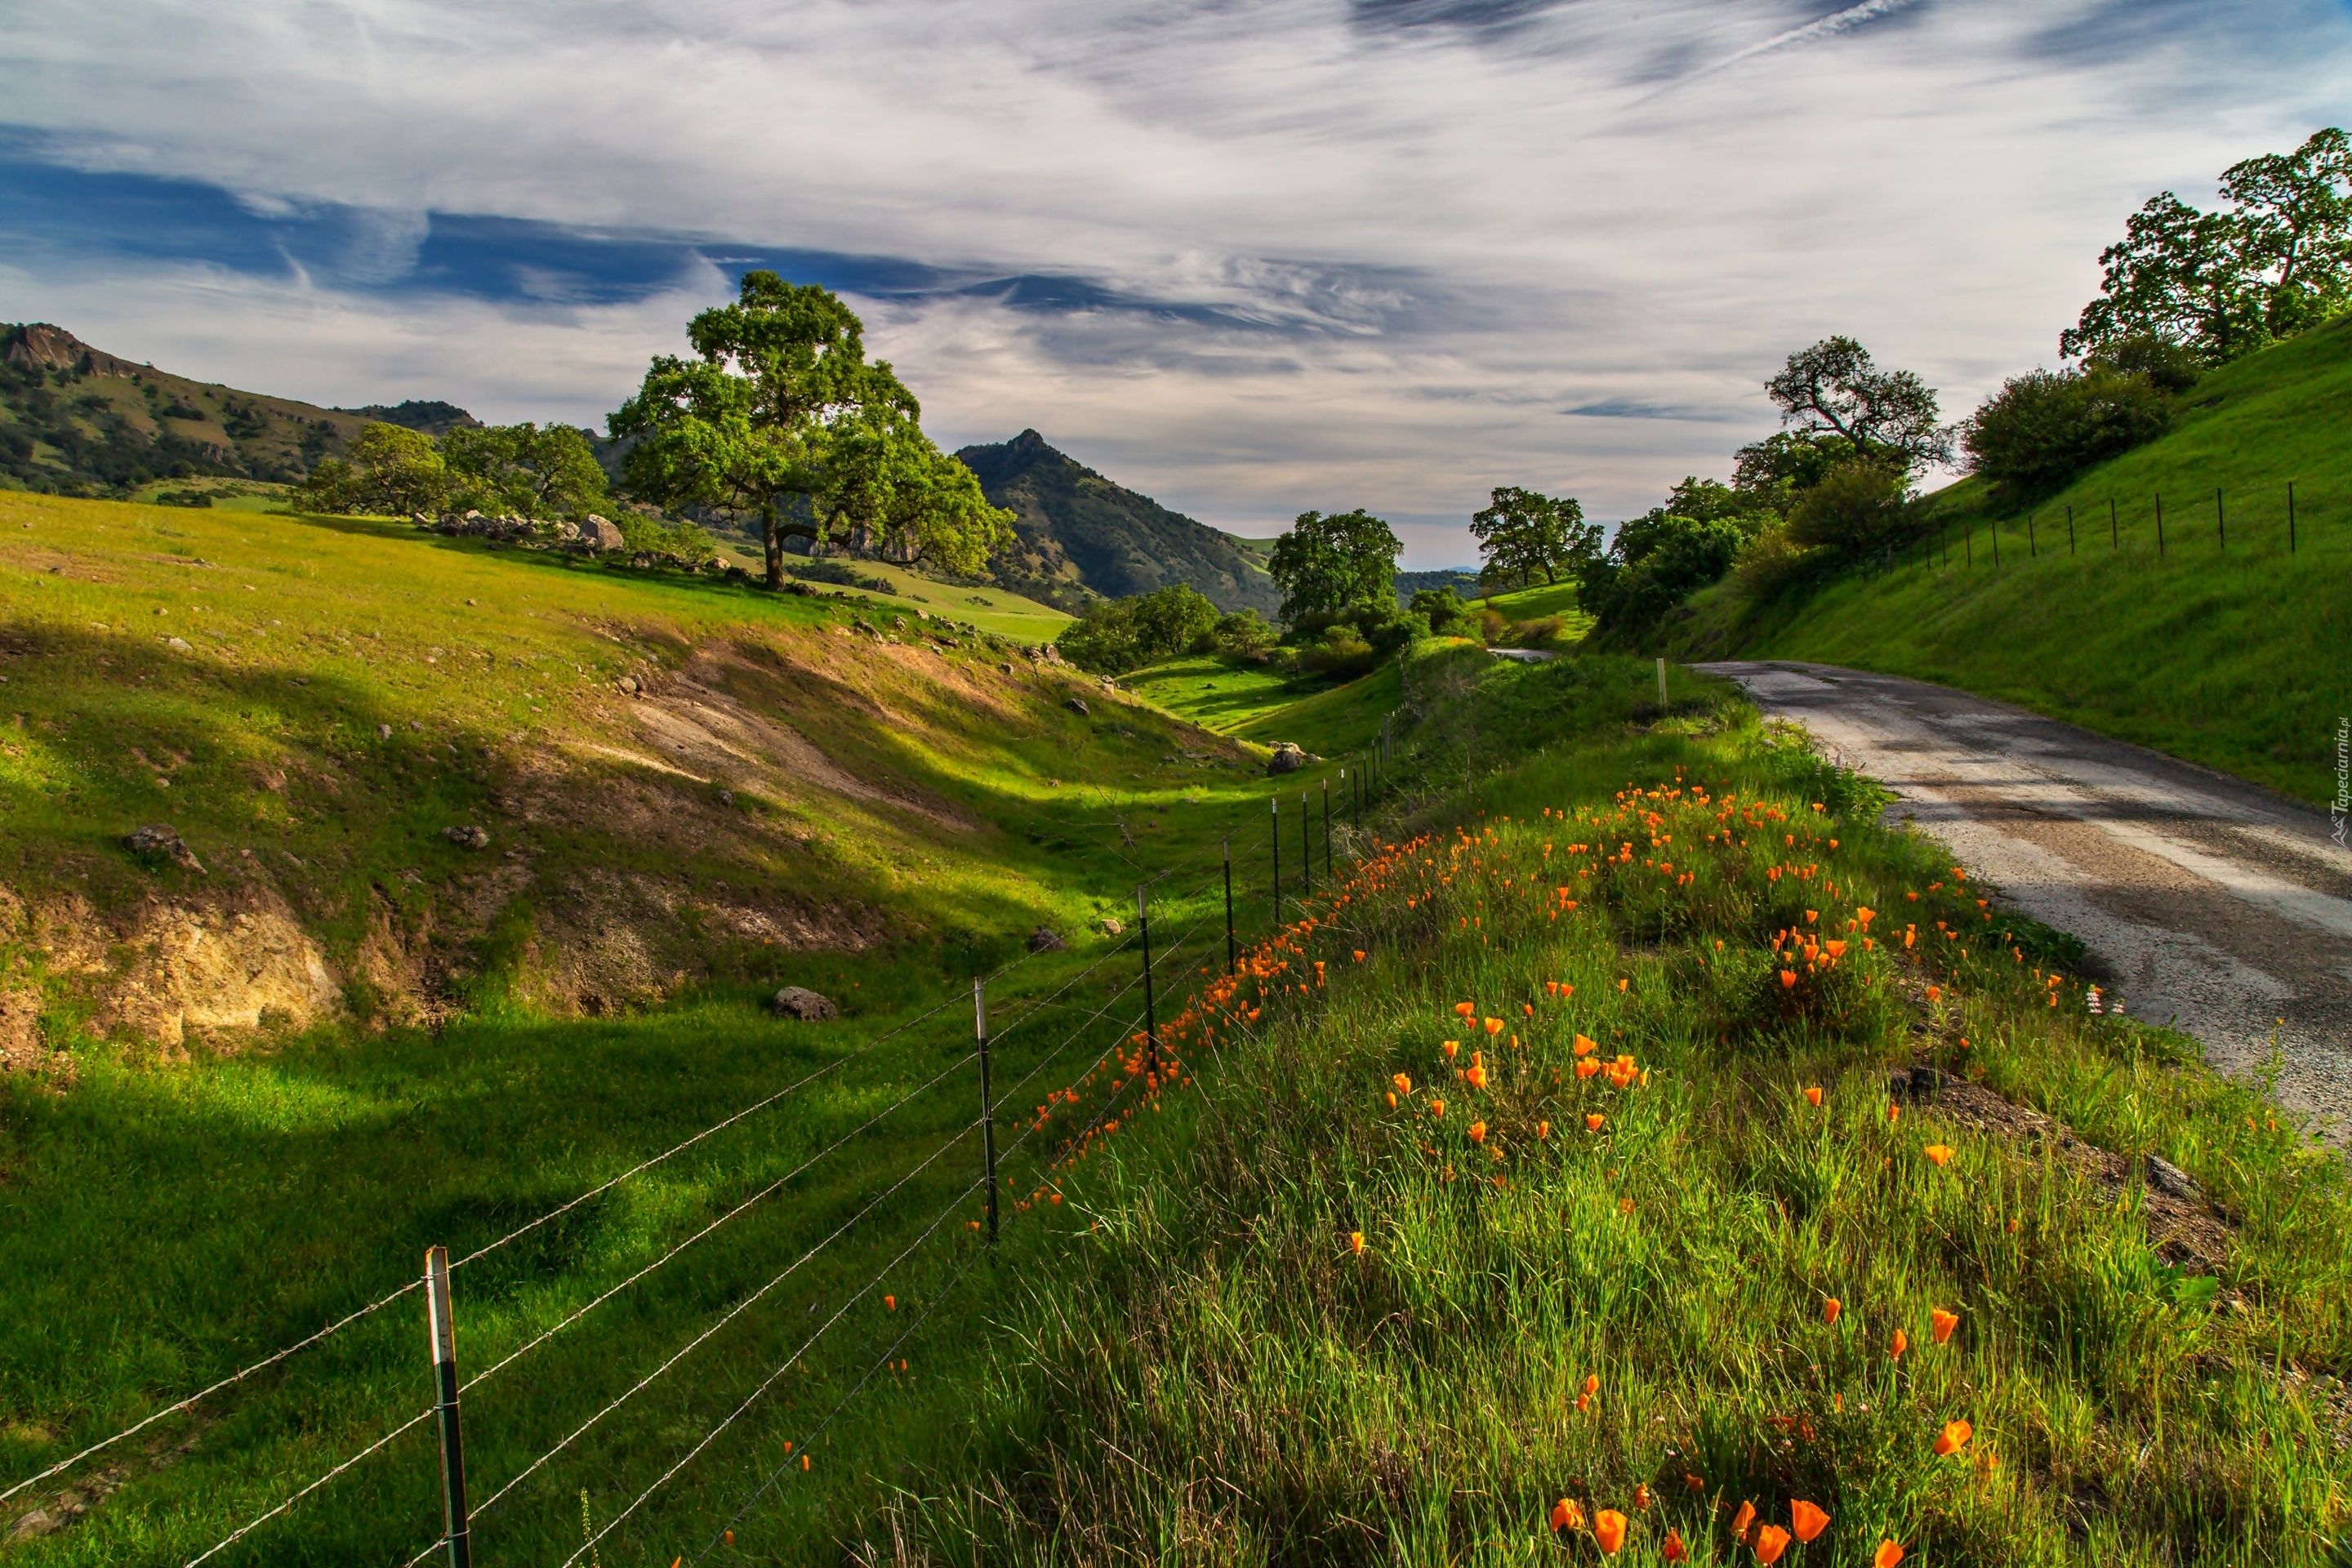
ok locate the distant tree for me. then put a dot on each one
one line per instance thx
(780, 418)
(2276, 262)
(1243, 633)
(1119, 635)
(1332, 563)
(1887, 414)
(1785, 464)
(387, 471)
(1857, 508)
(1440, 607)
(2171, 368)
(1522, 533)
(2043, 429)
(525, 469)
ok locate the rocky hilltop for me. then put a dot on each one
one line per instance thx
(1081, 536)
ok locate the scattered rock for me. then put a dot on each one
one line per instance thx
(600, 533)
(178, 644)
(468, 838)
(1111, 926)
(383, 731)
(628, 683)
(727, 798)
(1077, 705)
(798, 1002)
(1918, 1083)
(1286, 759)
(2171, 1180)
(1044, 939)
(163, 839)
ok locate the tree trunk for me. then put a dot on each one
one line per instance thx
(775, 546)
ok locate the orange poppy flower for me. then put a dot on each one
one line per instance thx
(1887, 1555)
(1834, 949)
(1403, 1084)
(1943, 1324)
(1587, 1068)
(1593, 1121)
(1901, 1342)
(1696, 1483)
(1356, 1242)
(1478, 1133)
(1452, 1048)
(1830, 1309)
(1938, 1154)
(1586, 1045)
(1788, 979)
(1543, 1129)
(1807, 1520)
(1934, 992)
(1359, 955)
(1894, 1113)
(1813, 1098)
(1771, 1542)
(1608, 1531)
(1527, 1009)
(890, 1303)
(1566, 1515)
(1465, 1009)
(1953, 1438)
(1493, 1025)
(1477, 1076)
(1743, 1519)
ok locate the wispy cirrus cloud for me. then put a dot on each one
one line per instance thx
(1250, 258)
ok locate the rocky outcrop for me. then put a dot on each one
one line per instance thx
(808, 1006)
(1288, 758)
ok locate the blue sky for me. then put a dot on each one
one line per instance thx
(1250, 258)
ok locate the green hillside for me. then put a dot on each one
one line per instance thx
(1080, 536)
(2226, 647)
(76, 420)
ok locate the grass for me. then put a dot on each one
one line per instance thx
(1218, 1375)
(2227, 653)
(1208, 690)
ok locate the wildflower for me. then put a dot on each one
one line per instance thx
(1403, 1084)
(1585, 1046)
(1356, 1242)
(1437, 1107)
(1392, 1100)
(1621, 984)
(1608, 1531)
(1465, 1009)
(1894, 1113)
(1593, 1121)
(1493, 1025)
(1528, 1009)
(1935, 992)
(1478, 1133)
(1938, 1154)
(1696, 1483)
(1771, 1542)
(890, 1303)
(1624, 1206)
(1943, 1324)
(1813, 1098)
(1566, 1515)
(1834, 949)
(1901, 1342)
(1807, 1520)
(1641, 1498)
(1830, 1309)
(1477, 1076)
(1788, 979)
(1743, 1519)
(1887, 1555)
(1587, 1068)
(1359, 955)
(1591, 1383)
(1813, 915)
(1452, 1048)
(1673, 1550)
(1953, 1438)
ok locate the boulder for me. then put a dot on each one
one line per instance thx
(468, 836)
(1077, 705)
(1112, 926)
(2170, 1179)
(628, 683)
(1044, 939)
(808, 1006)
(599, 533)
(161, 838)
(642, 560)
(1286, 759)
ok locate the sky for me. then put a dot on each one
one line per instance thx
(1249, 257)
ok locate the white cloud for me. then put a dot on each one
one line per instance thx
(1459, 218)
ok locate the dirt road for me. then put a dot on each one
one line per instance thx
(2205, 900)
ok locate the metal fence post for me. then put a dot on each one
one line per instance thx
(2032, 547)
(1231, 963)
(2290, 517)
(2115, 532)
(2070, 531)
(1327, 827)
(1662, 688)
(1275, 835)
(987, 1099)
(2159, 524)
(2220, 522)
(1305, 851)
(1150, 1018)
(444, 1330)
(1967, 546)
(1996, 544)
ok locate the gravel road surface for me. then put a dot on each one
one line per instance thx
(2205, 900)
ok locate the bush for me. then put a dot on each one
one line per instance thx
(2040, 430)
(1240, 635)
(2171, 368)
(1440, 607)
(1859, 506)
(1772, 563)
(1340, 652)
(1120, 634)
(656, 537)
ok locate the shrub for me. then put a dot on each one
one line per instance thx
(1241, 633)
(656, 537)
(1858, 507)
(2040, 429)
(1772, 563)
(1120, 634)
(1440, 607)
(1340, 651)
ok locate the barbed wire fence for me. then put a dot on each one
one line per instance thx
(1367, 782)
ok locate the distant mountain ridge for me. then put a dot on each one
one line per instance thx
(77, 420)
(1080, 537)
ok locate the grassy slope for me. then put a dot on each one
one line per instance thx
(166, 1215)
(1219, 1377)
(2231, 658)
